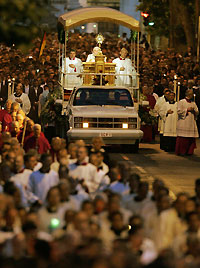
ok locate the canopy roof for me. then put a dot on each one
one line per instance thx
(97, 14)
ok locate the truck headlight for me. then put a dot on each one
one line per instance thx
(124, 125)
(85, 125)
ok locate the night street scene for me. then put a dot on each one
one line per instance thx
(99, 134)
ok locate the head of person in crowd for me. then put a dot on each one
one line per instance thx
(82, 154)
(8, 105)
(29, 126)
(30, 161)
(11, 189)
(65, 190)
(180, 203)
(15, 129)
(117, 222)
(14, 116)
(63, 172)
(189, 94)
(100, 202)
(63, 157)
(114, 173)
(6, 169)
(190, 206)
(80, 143)
(72, 150)
(53, 198)
(19, 163)
(4, 150)
(72, 54)
(113, 204)
(97, 143)
(133, 181)
(46, 161)
(193, 222)
(145, 90)
(20, 111)
(157, 183)
(19, 89)
(37, 130)
(94, 159)
(163, 202)
(56, 144)
(15, 146)
(171, 97)
(143, 189)
(20, 120)
(123, 53)
(88, 207)
(135, 221)
(81, 222)
(15, 107)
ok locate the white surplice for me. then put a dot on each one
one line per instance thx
(169, 120)
(186, 125)
(72, 81)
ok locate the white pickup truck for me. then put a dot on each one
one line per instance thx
(103, 111)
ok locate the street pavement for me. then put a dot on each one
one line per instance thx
(178, 172)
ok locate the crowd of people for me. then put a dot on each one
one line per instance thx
(69, 205)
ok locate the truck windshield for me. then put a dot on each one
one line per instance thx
(93, 96)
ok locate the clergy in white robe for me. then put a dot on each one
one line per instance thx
(125, 68)
(21, 98)
(73, 67)
(169, 116)
(159, 103)
(84, 172)
(187, 130)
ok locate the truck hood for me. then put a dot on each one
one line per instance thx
(104, 111)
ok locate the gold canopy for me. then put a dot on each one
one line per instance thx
(97, 14)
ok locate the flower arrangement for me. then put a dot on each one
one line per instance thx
(52, 110)
(147, 115)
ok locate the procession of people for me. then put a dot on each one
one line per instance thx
(65, 204)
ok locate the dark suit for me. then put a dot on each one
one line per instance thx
(4, 92)
(34, 97)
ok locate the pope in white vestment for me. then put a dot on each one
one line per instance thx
(124, 67)
(95, 52)
(72, 65)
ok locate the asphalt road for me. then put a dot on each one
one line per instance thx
(178, 173)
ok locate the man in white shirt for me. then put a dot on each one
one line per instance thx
(42, 180)
(74, 66)
(84, 171)
(21, 98)
(124, 67)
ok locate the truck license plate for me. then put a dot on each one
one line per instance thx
(105, 135)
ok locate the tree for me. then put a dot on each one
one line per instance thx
(175, 19)
(19, 21)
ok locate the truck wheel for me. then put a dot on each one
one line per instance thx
(135, 147)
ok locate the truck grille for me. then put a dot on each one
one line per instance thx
(106, 122)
